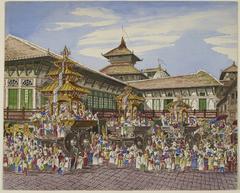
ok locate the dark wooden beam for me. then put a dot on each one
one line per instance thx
(100, 87)
(49, 68)
(94, 81)
(37, 68)
(10, 71)
(17, 70)
(214, 90)
(108, 87)
(117, 90)
(152, 93)
(181, 92)
(173, 91)
(165, 93)
(197, 91)
(206, 91)
(85, 81)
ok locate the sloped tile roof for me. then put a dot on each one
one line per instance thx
(232, 68)
(120, 69)
(200, 79)
(17, 48)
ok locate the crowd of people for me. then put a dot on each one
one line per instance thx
(52, 125)
(166, 149)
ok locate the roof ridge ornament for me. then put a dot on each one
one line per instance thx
(66, 52)
(122, 44)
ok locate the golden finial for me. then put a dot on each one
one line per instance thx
(66, 52)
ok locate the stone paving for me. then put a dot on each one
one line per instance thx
(107, 178)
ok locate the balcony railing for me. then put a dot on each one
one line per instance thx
(25, 114)
(199, 114)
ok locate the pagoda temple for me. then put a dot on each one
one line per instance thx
(122, 61)
(63, 87)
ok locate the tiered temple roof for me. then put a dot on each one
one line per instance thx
(122, 65)
(120, 69)
(69, 79)
(120, 50)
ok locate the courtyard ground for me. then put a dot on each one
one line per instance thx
(109, 178)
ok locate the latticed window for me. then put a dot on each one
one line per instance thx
(90, 101)
(106, 106)
(12, 83)
(110, 103)
(95, 102)
(12, 98)
(27, 98)
(100, 102)
(27, 82)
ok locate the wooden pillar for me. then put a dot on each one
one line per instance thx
(34, 94)
(51, 108)
(58, 108)
(6, 94)
(23, 113)
(7, 112)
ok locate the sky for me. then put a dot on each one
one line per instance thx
(184, 37)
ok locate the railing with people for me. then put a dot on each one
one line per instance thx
(25, 114)
(199, 114)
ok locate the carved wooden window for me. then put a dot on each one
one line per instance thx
(27, 82)
(12, 83)
(90, 101)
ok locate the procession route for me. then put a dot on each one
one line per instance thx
(108, 178)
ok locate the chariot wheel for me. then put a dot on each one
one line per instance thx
(71, 143)
(139, 141)
(84, 141)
